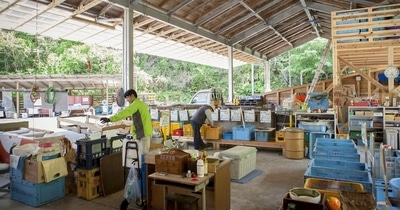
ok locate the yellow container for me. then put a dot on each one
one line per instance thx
(342, 136)
(174, 126)
(212, 132)
(332, 187)
(280, 136)
(187, 130)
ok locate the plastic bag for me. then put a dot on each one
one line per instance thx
(132, 189)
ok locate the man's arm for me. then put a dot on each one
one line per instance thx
(128, 111)
(209, 117)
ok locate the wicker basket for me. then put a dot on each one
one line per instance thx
(357, 201)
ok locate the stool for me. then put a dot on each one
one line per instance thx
(176, 201)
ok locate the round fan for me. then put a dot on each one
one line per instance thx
(120, 99)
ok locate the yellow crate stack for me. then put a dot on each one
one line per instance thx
(173, 127)
(187, 130)
(89, 183)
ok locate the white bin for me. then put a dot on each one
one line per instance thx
(243, 160)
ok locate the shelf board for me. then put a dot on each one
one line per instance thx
(368, 129)
(363, 117)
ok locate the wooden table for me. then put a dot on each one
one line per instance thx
(172, 180)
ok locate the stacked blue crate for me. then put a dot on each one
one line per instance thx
(33, 194)
(313, 138)
(89, 152)
(338, 159)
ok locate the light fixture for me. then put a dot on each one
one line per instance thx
(358, 78)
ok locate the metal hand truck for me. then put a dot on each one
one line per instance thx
(132, 145)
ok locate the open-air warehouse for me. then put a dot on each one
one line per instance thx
(330, 144)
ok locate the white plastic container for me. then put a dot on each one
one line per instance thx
(200, 168)
(243, 160)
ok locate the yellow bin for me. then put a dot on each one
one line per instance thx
(294, 143)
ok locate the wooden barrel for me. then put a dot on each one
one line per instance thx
(294, 145)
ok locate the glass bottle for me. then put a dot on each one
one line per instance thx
(205, 162)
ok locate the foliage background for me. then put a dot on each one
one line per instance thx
(171, 80)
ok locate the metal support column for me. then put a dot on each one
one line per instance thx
(230, 74)
(252, 78)
(127, 70)
(267, 77)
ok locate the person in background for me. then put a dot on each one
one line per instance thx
(201, 116)
(141, 128)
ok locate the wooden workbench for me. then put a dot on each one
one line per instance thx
(218, 191)
(87, 122)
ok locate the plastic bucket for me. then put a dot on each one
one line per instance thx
(395, 183)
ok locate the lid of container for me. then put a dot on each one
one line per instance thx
(237, 152)
(294, 130)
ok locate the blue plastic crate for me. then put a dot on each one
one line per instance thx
(380, 190)
(35, 194)
(362, 177)
(110, 147)
(335, 151)
(349, 157)
(227, 135)
(339, 164)
(313, 126)
(243, 133)
(335, 142)
(261, 135)
(313, 138)
(91, 146)
(90, 152)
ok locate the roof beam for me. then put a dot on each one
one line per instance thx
(217, 12)
(368, 3)
(298, 43)
(310, 17)
(182, 4)
(322, 8)
(241, 20)
(82, 8)
(182, 24)
(53, 4)
(262, 26)
(262, 19)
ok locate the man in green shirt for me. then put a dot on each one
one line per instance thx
(141, 128)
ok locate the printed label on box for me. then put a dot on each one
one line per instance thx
(183, 115)
(224, 114)
(164, 119)
(14, 160)
(236, 115)
(249, 116)
(265, 116)
(174, 115)
(154, 114)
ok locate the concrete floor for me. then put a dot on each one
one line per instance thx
(264, 192)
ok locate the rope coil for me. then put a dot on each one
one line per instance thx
(34, 94)
(51, 95)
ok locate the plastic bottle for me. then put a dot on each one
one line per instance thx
(205, 162)
(200, 168)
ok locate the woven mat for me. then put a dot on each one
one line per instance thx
(248, 177)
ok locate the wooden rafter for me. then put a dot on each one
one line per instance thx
(362, 74)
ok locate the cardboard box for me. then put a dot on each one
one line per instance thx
(213, 164)
(44, 171)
